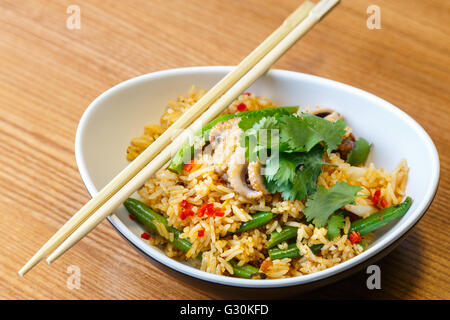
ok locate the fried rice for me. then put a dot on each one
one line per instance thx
(202, 185)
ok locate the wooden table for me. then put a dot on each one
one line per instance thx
(50, 73)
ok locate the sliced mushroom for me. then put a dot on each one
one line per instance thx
(230, 162)
(221, 130)
(224, 138)
(237, 172)
(255, 178)
(346, 146)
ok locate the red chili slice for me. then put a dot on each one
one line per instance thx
(376, 197)
(218, 213)
(145, 236)
(189, 213)
(210, 209)
(185, 205)
(201, 210)
(189, 166)
(201, 233)
(383, 203)
(241, 106)
(354, 237)
(131, 217)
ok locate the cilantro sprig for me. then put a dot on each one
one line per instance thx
(335, 224)
(330, 133)
(248, 119)
(292, 132)
(324, 202)
(294, 174)
(295, 145)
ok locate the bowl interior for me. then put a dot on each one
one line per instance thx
(120, 114)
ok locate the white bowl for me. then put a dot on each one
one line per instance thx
(120, 114)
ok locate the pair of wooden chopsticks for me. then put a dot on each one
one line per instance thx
(159, 152)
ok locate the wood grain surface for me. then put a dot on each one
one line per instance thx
(49, 74)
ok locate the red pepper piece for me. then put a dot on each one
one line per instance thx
(189, 213)
(376, 197)
(189, 166)
(218, 213)
(145, 236)
(354, 237)
(201, 233)
(383, 203)
(185, 205)
(210, 209)
(241, 107)
(201, 210)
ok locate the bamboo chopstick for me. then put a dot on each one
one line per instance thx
(187, 118)
(112, 193)
(242, 84)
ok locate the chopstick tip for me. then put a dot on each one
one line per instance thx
(23, 270)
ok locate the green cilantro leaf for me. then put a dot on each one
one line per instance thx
(292, 132)
(296, 135)
(301, 134)
(272, 186)
(249, 118)
(295, 144)
(335, 224)
(331, 133)
(283, 170)
(259, 137)
(323, 202)
(294, 174)
(305, 181)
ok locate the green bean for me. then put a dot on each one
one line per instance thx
(246, 271)
(291, 252)
(286, 233)
(147, 216)
(316, 247)
(186, 152)
(258, 219)
(381, 218)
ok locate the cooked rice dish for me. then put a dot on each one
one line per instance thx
(304, 198)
